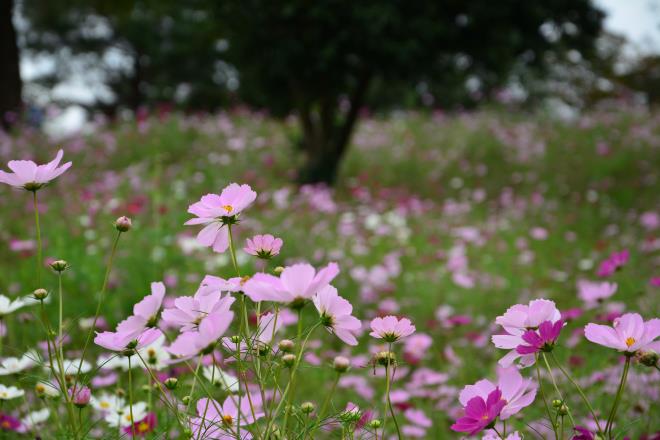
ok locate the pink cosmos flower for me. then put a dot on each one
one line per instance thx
(217, 211)
(142, 427)
(416, 347)
(582, 433)
(391, 329)
(615, 261)
(9, 423)
(263, 246)
(480, 413)
(211, 283)
(189, 311)
(295, 285)
(120, 341)
(517, 392)
(592, 293)
(269, 324)
(335, 313)
(221, 421)
(210, 330)
(629, 333)
(81, 396)
(145, 313)
(541, 340)
(30, 176)
(516, 321)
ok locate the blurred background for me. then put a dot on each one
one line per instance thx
(66, 61)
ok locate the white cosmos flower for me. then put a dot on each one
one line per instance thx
(8, 393)
(8, 306)
(154, 355)
(47, 389)
(221, 379)
(70, 367)
(123, 415)
(33, 418)
(107, 403)
(12, 365)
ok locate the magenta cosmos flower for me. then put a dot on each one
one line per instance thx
(517, 320)
(480, 413)
(30, 176)
(142, 427)
(9, 423)
(295, 285)
(217, 211)
(145, 313)
(541, 340)
(191, 343)
(335, 313)
(263, 246)
(612, 263)
(629, 333)
(517, 392)
(391, 329)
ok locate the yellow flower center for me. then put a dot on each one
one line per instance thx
(630, 341)
(4, 395)
(105, 405)
(228, 208)
(245, 279)
(5, 424)
(128, 417)
(227, 419)
(143, 427)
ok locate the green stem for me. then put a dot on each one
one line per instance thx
(192, 388)
(130, 397)
(545, 400)
(554, 384)
(59, 334)
(619, 392)
(104, 287)
(387, 396)
(39, 244)
(328, 398)
(579, 390)
(232, 251)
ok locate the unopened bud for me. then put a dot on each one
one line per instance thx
(563, 410)
(187, 433)
(386, 358)
(374, 424)
(186, 400)
(123, 224)
(59, 265)
(171, 383)
(40, 294)
(278, 270)
(286, 345)
(289, 359)
(557, 403)
(648, 358)
(236, 339)
(341, 364)
(120, 392)
(307, 407)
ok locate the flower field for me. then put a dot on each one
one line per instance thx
(480, 275)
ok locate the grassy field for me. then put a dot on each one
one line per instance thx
(448, 220)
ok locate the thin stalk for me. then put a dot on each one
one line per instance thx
(387, 397)
(130, 397)
(554, 384)
(104, 287)
(192, 388)
(328, 398)
(59, 333)
(545, 400)
(579, 390)
(39, 244)
(619, 392)
(232, 251)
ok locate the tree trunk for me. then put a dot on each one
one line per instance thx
(324, 141)
(10, 77)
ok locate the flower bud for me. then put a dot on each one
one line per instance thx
(123, 224)
(187, 433)
(59, 265)
(375, 424)
(556, 403)
(648, 358)
(186, 400)
(120, 392)
(288, 360)
(171, 383)
(386, 358)
(286, 345)
(236, 339)
(307, 407)
(341, 364)
(146, 388)
(563, 410)
(81, 396)
(40, 294)
(278, 270)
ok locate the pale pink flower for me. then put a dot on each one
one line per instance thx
(335, 313)
(517, 320)
(295, 285)
(189, 311)
(30, 176)
(391, 329)
(516, 391)
(629, 333)
(145, 313)
(120, 341)
(191, 343)
(217, 211)
(592, 293)
(263, 246)
(222, 421)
